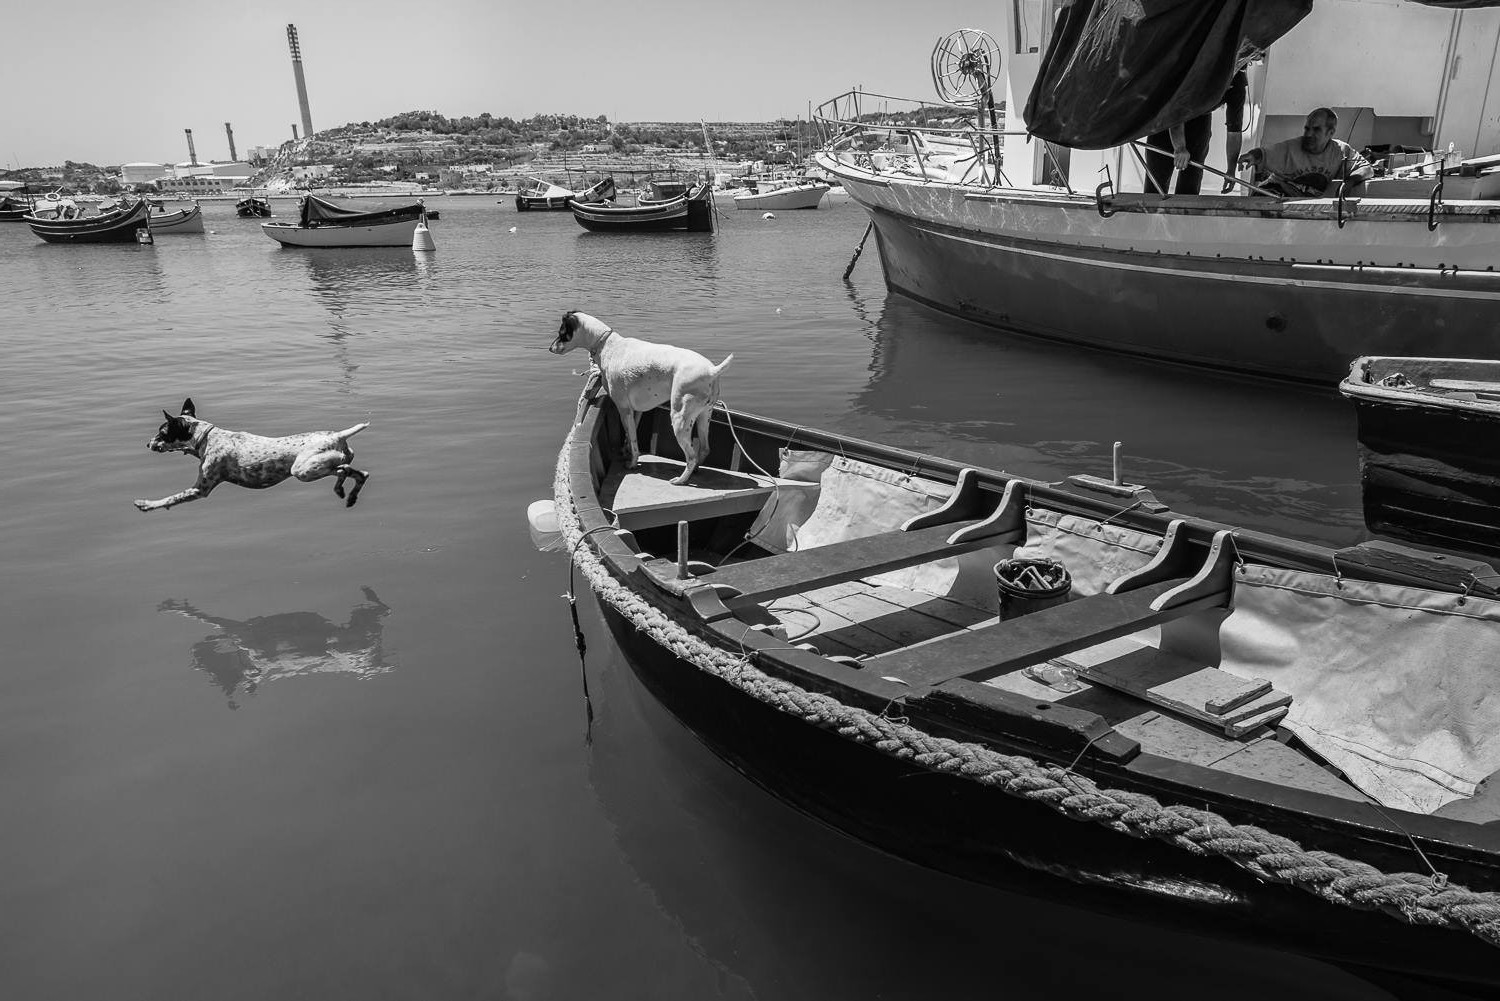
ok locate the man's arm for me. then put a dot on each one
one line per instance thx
(1181, 157)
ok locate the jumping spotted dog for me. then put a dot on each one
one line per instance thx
(251, 460)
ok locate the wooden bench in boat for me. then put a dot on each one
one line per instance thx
(1156, 593)
(646, 497)
(951, 530)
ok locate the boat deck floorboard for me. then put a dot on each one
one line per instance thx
(861, 619)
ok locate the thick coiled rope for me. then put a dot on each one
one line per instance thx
(1412, 897)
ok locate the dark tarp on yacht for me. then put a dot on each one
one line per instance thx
(1117, 70)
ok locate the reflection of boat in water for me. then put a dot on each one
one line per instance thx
(852, 662)
(245, 654)
(1010, 226)
(661, 210)
(544, 196)
(321, 223)
(120, 225)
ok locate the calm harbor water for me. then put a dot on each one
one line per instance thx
(261, 746)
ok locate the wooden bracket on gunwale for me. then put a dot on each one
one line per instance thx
(1007, 523)
(962, 503)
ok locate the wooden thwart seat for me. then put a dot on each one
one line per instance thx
(646, 497)
(951, 530)
(1143, 599)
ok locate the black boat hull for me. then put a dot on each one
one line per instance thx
(974, 832)
(116, 227)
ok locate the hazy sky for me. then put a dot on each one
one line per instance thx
(112, 82)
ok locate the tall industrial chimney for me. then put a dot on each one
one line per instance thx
(192, 153)
(233, 156)
(294, 132)
(291, 40)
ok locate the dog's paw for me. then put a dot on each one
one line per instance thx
(680, 480)
(351, 500)
(142, 505)
(338, 490)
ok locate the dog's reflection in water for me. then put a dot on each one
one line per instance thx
(243, 655)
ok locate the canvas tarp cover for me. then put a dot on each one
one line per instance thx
(316, 211)
(1117, 70)
(1397, 687)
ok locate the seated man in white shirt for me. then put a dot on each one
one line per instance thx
(1306, 167)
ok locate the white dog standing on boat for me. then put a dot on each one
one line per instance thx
(639, 375)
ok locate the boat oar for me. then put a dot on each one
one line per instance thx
(857, 251)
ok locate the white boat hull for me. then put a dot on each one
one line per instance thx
(395, 234)
(802, 196)
(1274, 289)
(178, 221)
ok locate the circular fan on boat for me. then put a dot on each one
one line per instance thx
(964, 66)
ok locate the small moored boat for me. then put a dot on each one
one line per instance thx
(323, 224)
(1429, 466)
(544, 196)
(1212, 728)
(253, 207)
(691, 211)
(119, 225)
(188, 220)
(783, 195)
(15, 201)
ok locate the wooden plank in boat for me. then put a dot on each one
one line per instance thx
(952, 612)
(645, 497)
(1466, 385)
(1172, 737)
(1273, 761)
(806, 569)
(1183, 685)
(1042, 635)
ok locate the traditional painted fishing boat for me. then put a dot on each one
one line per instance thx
(691, 212)
(1429, 466)
(252, 207)
(1218, 729)
(321, 223)
(121, 225)
(1036, 224)
(186, 220)
(544, 196)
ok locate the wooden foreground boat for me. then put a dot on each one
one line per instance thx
(15, 201)
(119, 225)
(690, 212)
(1161, 744)
(1428, 453)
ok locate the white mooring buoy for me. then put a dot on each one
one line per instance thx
(421, 239)
(769, 215)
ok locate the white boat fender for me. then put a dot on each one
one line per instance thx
(143, 236)
(769, 215)
(513, 229)
(541, 520)
(421, 237)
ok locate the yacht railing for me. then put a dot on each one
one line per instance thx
(936, 142)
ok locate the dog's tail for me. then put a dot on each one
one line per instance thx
(351, 432)
(722, 366)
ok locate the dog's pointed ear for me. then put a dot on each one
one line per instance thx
(168, 416)
(187, 408)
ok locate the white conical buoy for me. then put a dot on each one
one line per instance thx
(421, 239)
(513, 229)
